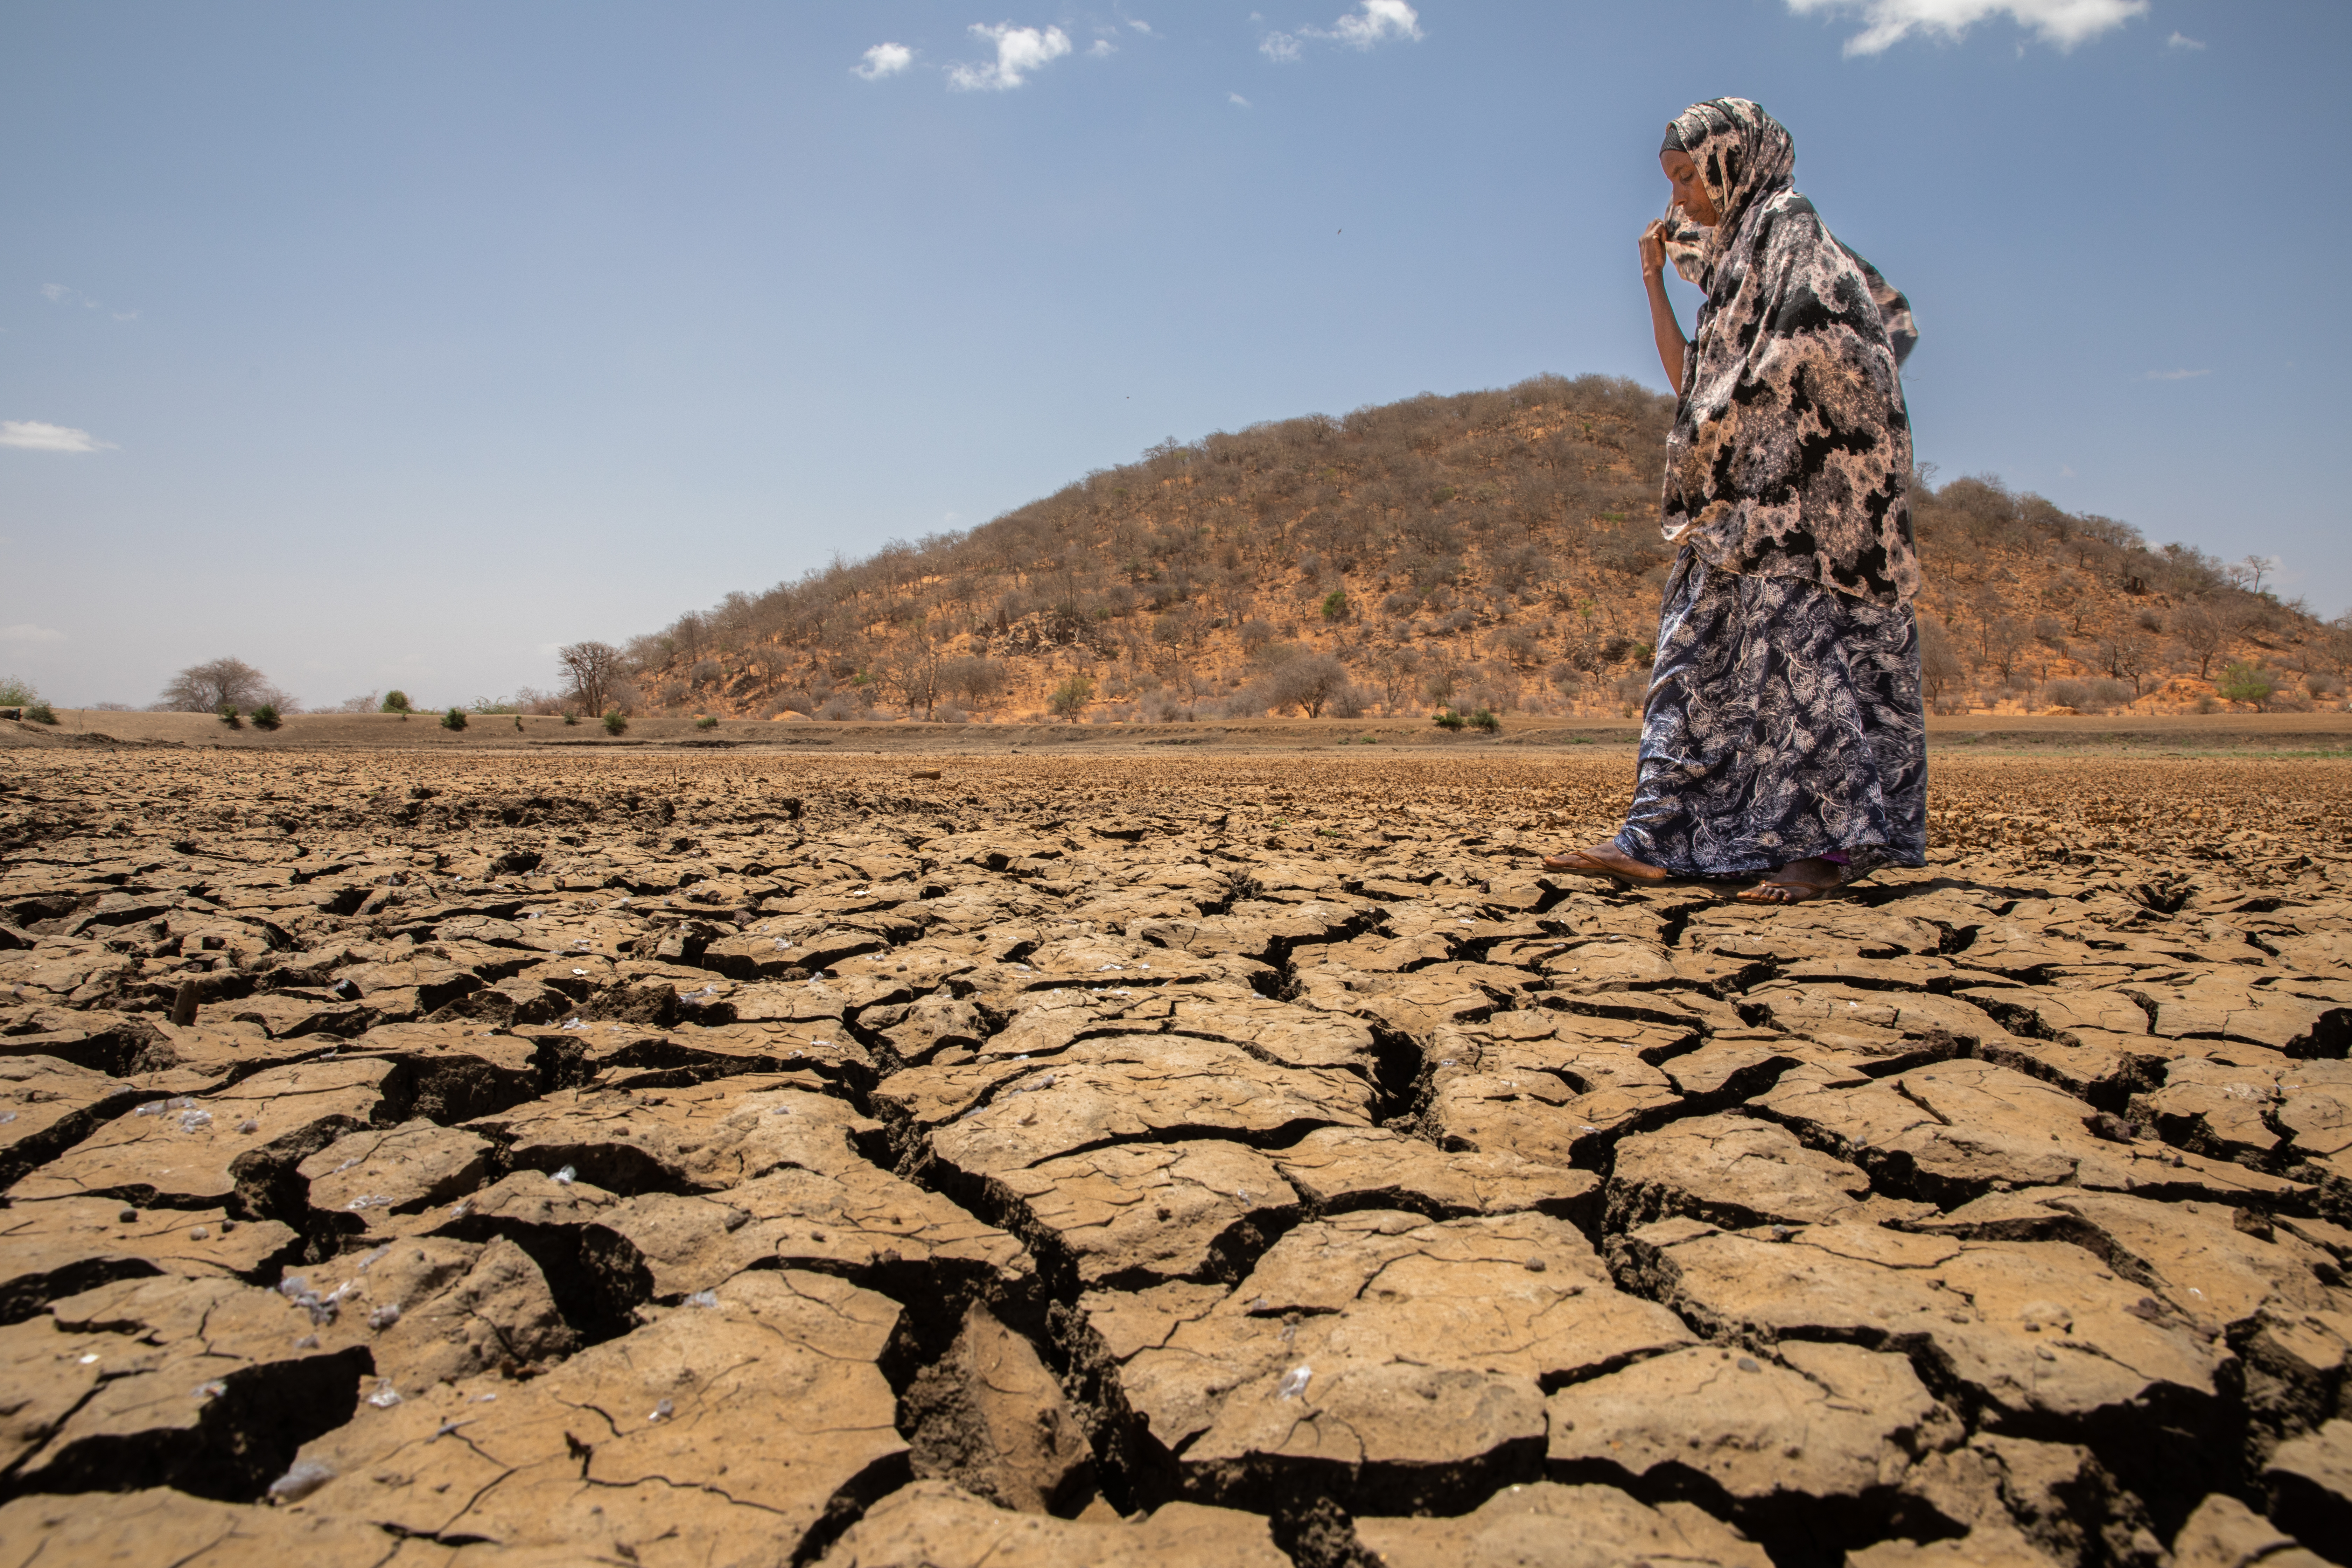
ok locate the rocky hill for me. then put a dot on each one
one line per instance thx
(1493, 549)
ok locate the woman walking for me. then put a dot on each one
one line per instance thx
(1783, 733)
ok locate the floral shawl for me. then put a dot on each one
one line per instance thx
(1791, 454)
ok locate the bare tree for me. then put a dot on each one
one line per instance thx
(593, 669)
(221, 683)
(1308, 682)
(1939, 662)
(2127, 656)
(2203, 632)
(2004, 640)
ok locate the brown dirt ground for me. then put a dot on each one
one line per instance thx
(658, 1155)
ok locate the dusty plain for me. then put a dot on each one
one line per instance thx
(767, 1154)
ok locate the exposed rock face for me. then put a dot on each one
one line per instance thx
(1019, 1165)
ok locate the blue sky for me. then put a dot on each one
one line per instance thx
(406, 342)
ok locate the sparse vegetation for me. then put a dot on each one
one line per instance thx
(265, 717)
(228, 715)
(1069, 699)
(17, 693)
(453, 720)
(570, 717)
(614, 722)
(1480, 718)
(39, 712)
(2247, 683)
(221, 683)
(395, 702)
(1447, 719)
(1494, 549)
(706, 722)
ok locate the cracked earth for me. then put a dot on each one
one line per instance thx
(684, 1159)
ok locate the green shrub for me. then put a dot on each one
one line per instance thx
(395, 702)
(2246, 683)
(40, 713)
(1334, 604)
(613, 723)
(228, 715)
(15, 693)
(706, 722)
(266, 717)
(570, 717)
(1483, 719)
(453, 720)
(1447, 719)
(1073, 694)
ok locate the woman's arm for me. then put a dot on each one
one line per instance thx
(1672, 346)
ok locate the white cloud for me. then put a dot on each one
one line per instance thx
(2183, 41)
(2175, 375)
(885, 59)
(1102, 48)
(1237, 98)
(2063, 23)
(1019, 51)
(27, 632)
(2066, 471)
(1377, 21)
(33, 436)
(1372, 22)
(54, 292)
(1138, 27)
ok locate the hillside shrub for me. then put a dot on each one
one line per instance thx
(1484, 719)
(570, 717)
(1067, 699)
(15, 693)
(266, 717)
(706, 722)
(453, 720)
(1447, 719)
(1334, 604)
(396, 702)
(2246, 683)
(39, 712)
(615, 723)
(228, 715)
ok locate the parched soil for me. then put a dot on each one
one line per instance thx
(434, 1157)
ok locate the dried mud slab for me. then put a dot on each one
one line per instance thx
(657, 1158)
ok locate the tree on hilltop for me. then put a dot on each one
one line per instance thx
(221, 683)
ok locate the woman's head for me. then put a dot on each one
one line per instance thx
(1720, 155)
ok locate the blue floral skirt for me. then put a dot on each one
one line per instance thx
(1783, 722)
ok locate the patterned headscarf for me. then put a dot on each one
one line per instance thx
(1743, 153)
(1791, 454)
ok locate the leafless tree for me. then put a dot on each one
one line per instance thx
(222, 682)
(592, 669)
(1939, 662)
(2127, 655)
(1308, 682)
(2204, 634)
(2004, 640)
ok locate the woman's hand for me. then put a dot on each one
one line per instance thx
(1672, 348)
(1654, 249)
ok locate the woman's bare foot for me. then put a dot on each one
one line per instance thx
(1605, 860)
(1797, 881)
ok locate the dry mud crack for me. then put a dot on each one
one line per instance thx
(655, 1160)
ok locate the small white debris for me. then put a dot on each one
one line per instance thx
(212, 1390)
(703, 1299)
(385, 1396)
(779, 1111)
(89, 1358)
(457, 1210)
(370, 1259)
(200, 1233)
(369, 1201)
(662, 1411)
(1294, 1383)
(248, 1125)
(578, 971)
(6, 1117)
(565, 1177)
(307, 1476)
(384, 1317)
